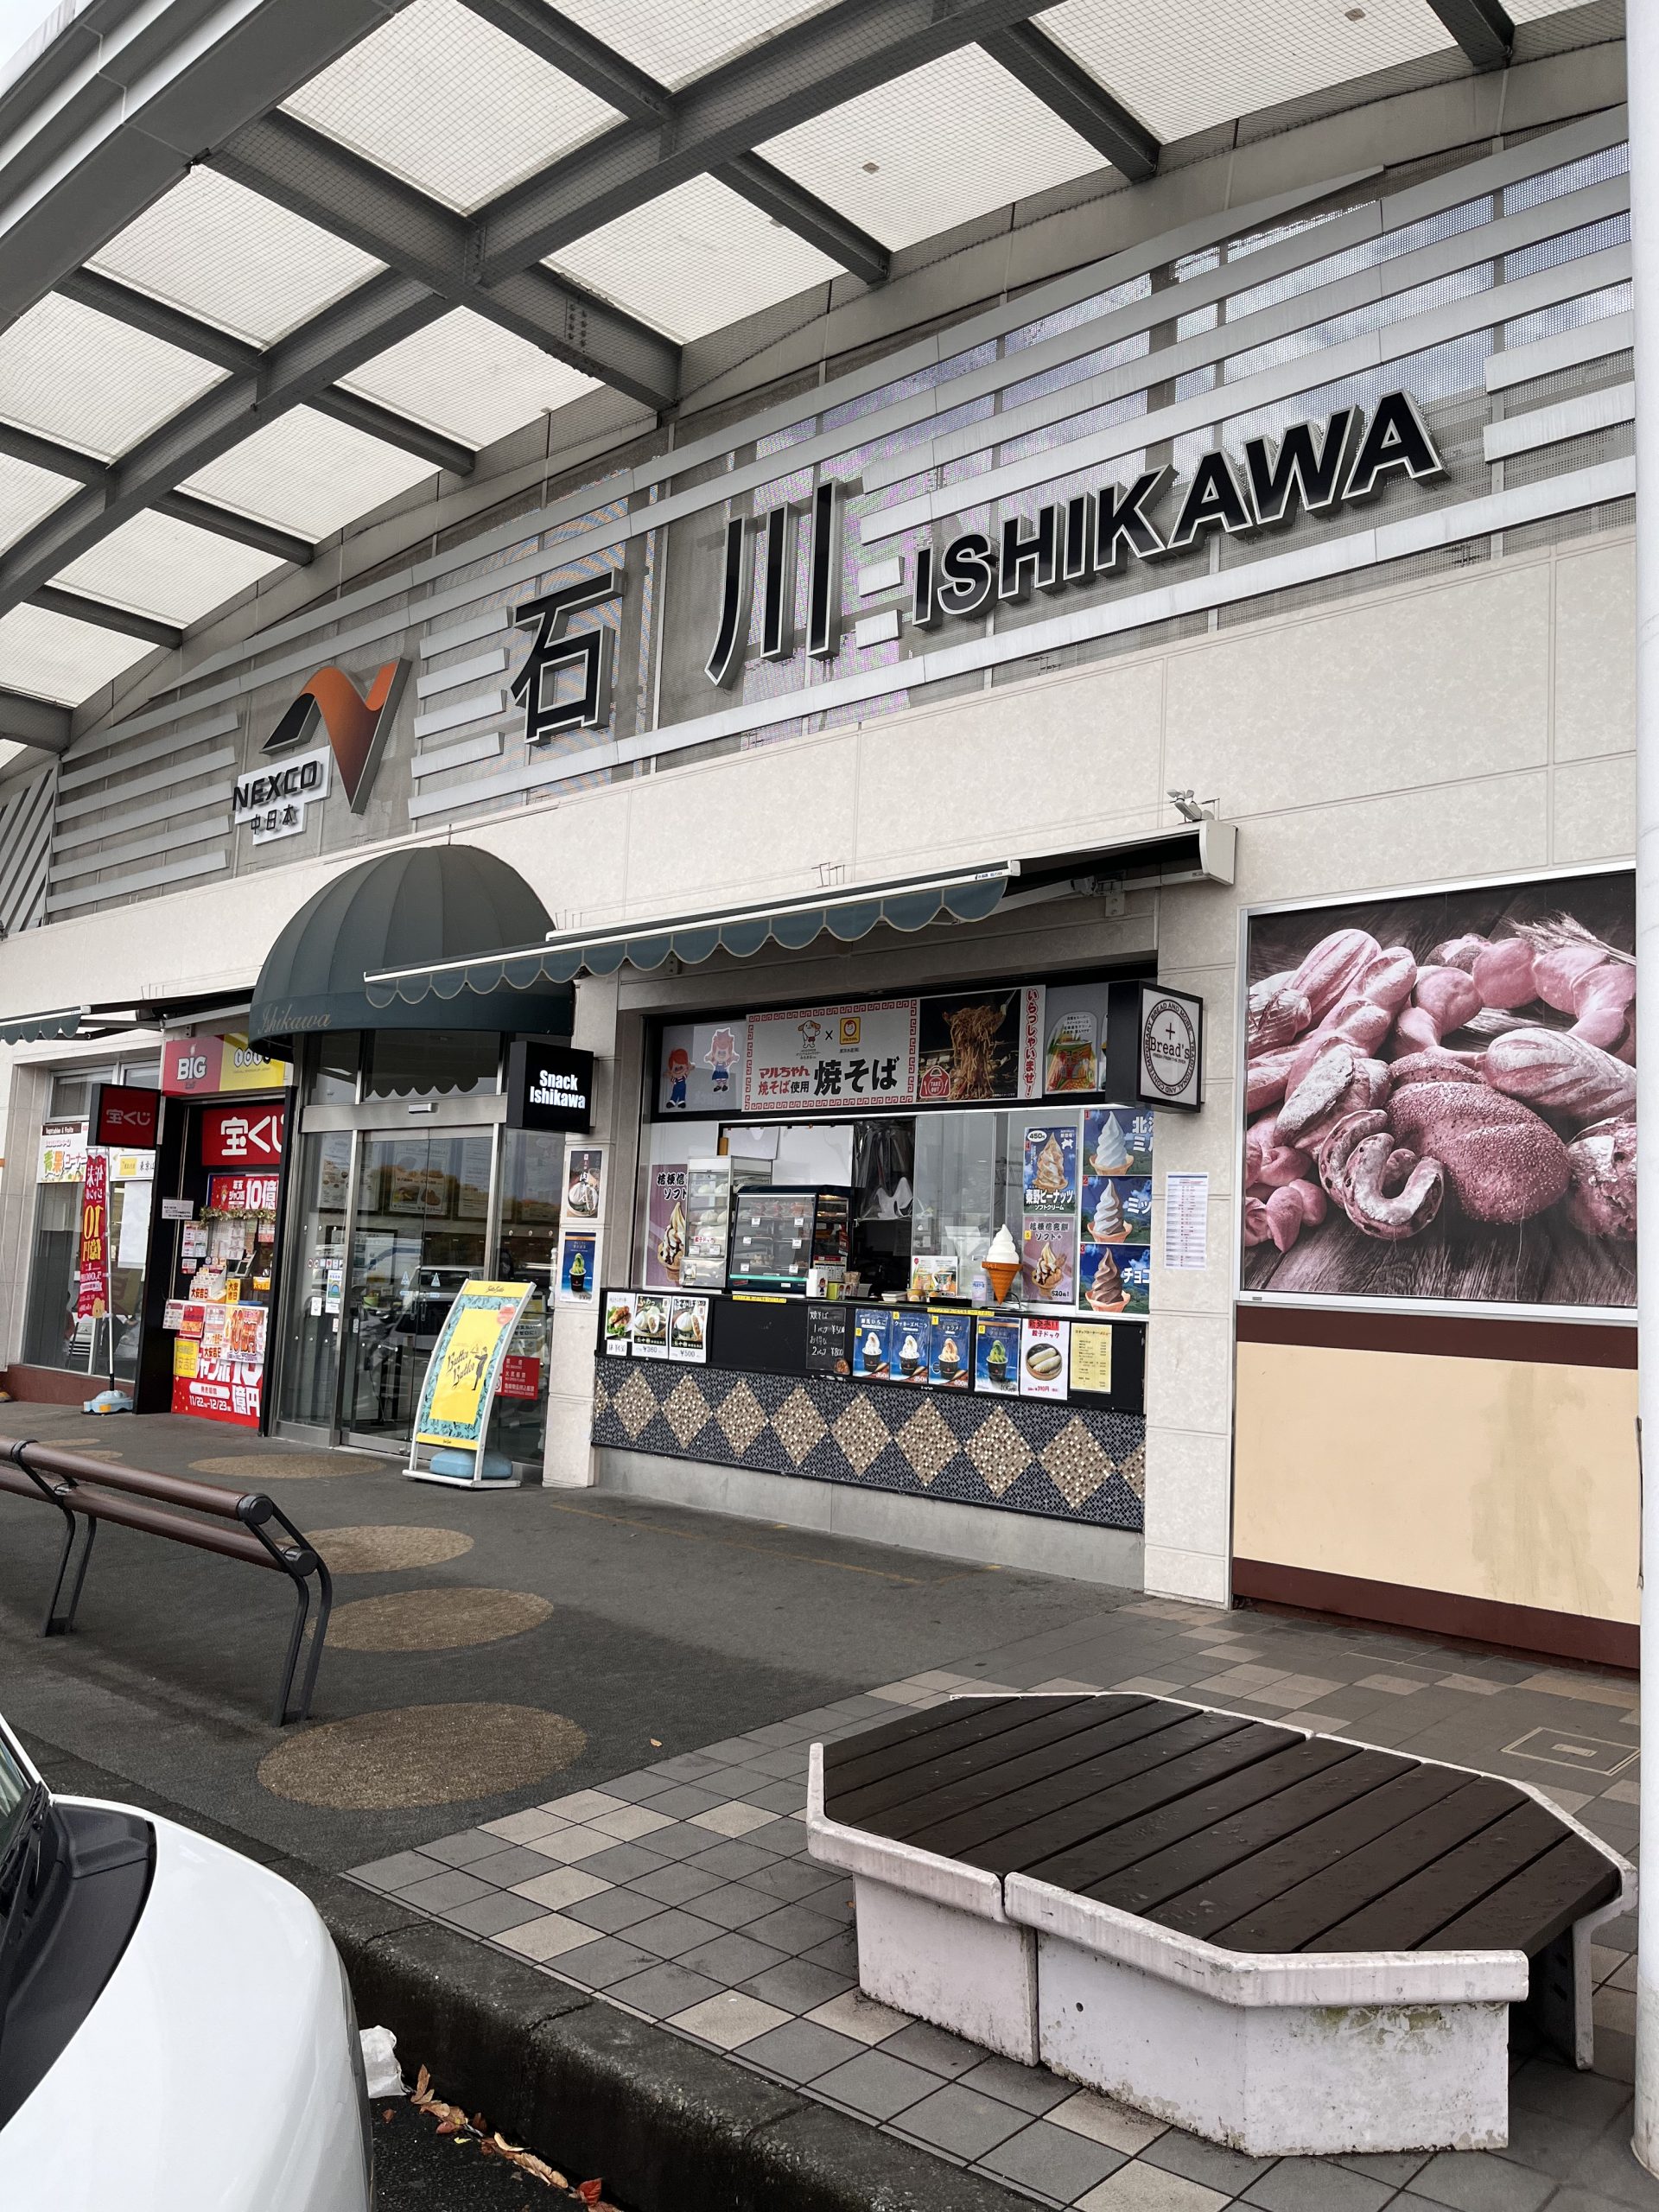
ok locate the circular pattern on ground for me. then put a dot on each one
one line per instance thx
(421, 1755)
(387, 1551)
(256, 1468)
(435, 1620)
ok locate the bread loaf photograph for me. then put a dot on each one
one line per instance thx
(1439, 1097)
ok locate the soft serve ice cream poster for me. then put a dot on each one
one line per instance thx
(1050, 1178)
(1048, 1263)
(1117, 1141)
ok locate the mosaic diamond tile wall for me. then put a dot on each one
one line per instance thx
(1071, 1463)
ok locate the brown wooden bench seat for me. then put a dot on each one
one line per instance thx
(1080, 1848)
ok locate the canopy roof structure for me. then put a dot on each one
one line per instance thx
(260, 276)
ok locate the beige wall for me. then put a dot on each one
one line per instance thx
(1493, 1479)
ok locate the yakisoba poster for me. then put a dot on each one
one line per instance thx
(1440, 1097)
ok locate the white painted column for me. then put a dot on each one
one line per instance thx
(1642, 62)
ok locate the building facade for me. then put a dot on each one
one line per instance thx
(1038, 747)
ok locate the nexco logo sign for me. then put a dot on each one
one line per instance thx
(357, 726)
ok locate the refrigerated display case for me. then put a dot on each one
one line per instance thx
(779, 1232)
(711, 1185)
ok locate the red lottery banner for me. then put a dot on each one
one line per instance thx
(92, 1293)
(242, 1136)
(242, 1194)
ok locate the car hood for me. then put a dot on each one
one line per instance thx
(213, 2073)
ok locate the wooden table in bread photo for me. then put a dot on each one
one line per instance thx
(1440, 1097)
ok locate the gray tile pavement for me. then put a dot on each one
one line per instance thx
(683, 1892)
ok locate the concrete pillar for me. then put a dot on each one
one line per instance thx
(1641, 33)
(615, 1043)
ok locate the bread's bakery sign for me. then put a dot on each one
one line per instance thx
(1313, 469)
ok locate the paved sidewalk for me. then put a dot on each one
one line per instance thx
(683, 1893)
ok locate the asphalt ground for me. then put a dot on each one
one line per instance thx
(656, 1629)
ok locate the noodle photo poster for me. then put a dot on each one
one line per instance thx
(1440, 1097)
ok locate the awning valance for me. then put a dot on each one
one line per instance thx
(38, 1028)
(1193, 853)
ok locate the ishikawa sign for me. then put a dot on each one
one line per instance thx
(1312, 469)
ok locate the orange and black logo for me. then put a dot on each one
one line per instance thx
(358, 725)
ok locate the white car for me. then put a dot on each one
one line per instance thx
(176, 2032)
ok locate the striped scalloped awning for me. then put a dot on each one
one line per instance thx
(967, 895)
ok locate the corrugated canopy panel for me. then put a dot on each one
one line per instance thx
(469, 378)
(307, 473)
(234, 258)
(75, 376)
(449, 104)
(158, 566)
(694, 260)
(50, 656)
(675, 43)
(26, 493)
(932, 149)
(968, 895)
(1184, 65)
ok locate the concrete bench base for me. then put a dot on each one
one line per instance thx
(1276, 2054)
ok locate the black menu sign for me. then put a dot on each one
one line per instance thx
(826, 1339)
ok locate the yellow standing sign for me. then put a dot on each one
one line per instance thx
(465, 1369)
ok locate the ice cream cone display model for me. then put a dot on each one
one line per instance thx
(1106, 1293)
(1001, 1263)
(1107, 1227)
(1111, 1152)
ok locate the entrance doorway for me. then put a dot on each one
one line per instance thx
(387, 1222)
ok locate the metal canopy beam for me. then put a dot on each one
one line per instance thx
(80, 608)
(33, 721)
(192, 335)
(241, 529)
(819, 64)
(1482, 29)
(300, 169)
(1035, 60)
(388, 307)
(87, 469)
(555, 39)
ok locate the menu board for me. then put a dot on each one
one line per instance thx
(619, 1322)
(951, 1350)
(996, 1357)
(826, 1339)
(687, 1330)
(824, 1059)
(872, 1343)
(1091, 1357)
(650, 1334)
(912, 1341)
(1043, 1362)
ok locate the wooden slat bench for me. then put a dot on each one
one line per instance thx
(1284, 1941)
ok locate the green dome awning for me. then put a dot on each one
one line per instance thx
(433, 903)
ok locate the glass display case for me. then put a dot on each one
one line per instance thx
(709, 1186)
(779, 1232)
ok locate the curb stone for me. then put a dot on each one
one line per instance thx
(670, 2126)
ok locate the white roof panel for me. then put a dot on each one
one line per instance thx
(306, 472)
(893, 160)
(76, 376)
(234, 258)
(449, 104)
(694, 260)
(468, 378)
(158, 566)
(674, 44)
(50, 656)
(1184, 65)
(26, 495)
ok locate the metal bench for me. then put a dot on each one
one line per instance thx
(85, 1492)
(1284, 1941)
